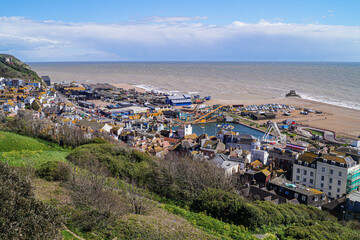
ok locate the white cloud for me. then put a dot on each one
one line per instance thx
(176, 38)
(157, 19)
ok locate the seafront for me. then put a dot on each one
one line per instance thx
(343, 121)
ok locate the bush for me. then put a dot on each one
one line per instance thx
(219, 204)
(21, 215)
(96, 140)
(55, 171)
(121, 162)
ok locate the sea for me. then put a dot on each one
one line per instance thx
(328, 82)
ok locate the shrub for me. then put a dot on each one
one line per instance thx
(55, 171)
(21, 215)
(219, 204)
(96, 140)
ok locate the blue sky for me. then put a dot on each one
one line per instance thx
(185, 30)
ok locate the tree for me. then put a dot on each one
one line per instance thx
(36, 105)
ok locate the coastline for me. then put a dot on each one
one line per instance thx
(343, 121)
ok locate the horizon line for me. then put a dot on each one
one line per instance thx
(198, 61)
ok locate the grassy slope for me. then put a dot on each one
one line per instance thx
(17, 70)
(163, 222)
(158, 224)
(21, 151)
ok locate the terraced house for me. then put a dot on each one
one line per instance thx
(336, 175)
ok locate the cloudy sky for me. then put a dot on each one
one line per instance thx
(227, 30)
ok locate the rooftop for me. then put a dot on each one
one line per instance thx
(308, 157)
(339, 158)
(354, 196)
(297, 188)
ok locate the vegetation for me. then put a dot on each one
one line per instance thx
(313, 132)
(111, 191)
(23, 151)
(14, 68)
(14, 142)
(54, 171)
(21, 215)
(66, 136)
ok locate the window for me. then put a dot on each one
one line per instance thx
(300, 162)
(304, 172)
(330, 180)
(332, 162)
(311, 174)
(322, 185)
(339, 183)
(340, 174)
(311, 181)
(323, 169)
(329, 194)
(337, 196)
(322, 178)
(313, 165)
(303, 198)
(316, 199)
(297, 178)
(304, 179)
(330, 187)
(298, 170)
(341, 164)
(331, 171)
(338, 190)
(296, 195)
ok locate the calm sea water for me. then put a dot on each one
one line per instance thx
(211, 129)
(334, 83)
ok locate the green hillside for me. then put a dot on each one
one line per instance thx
(108, 191)
(14, 142)
(11, 67)
(21, 151)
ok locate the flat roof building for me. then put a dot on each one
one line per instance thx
(179, 100)
(305, 195)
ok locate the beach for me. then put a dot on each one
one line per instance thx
(345, 122)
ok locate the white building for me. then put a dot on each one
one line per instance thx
(335, 175)
(184, 131)
(332, 174)
(29, 100)
(304, 169)
(259, 155)
(355, 144)
(243, 141)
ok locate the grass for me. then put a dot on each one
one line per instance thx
(51, 192)
(211, 225)
(22, 151)
(66, 235)
(15, 142)
(316, 133)
(28, 158)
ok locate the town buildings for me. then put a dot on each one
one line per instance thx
(336, 175)
(156, 124)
